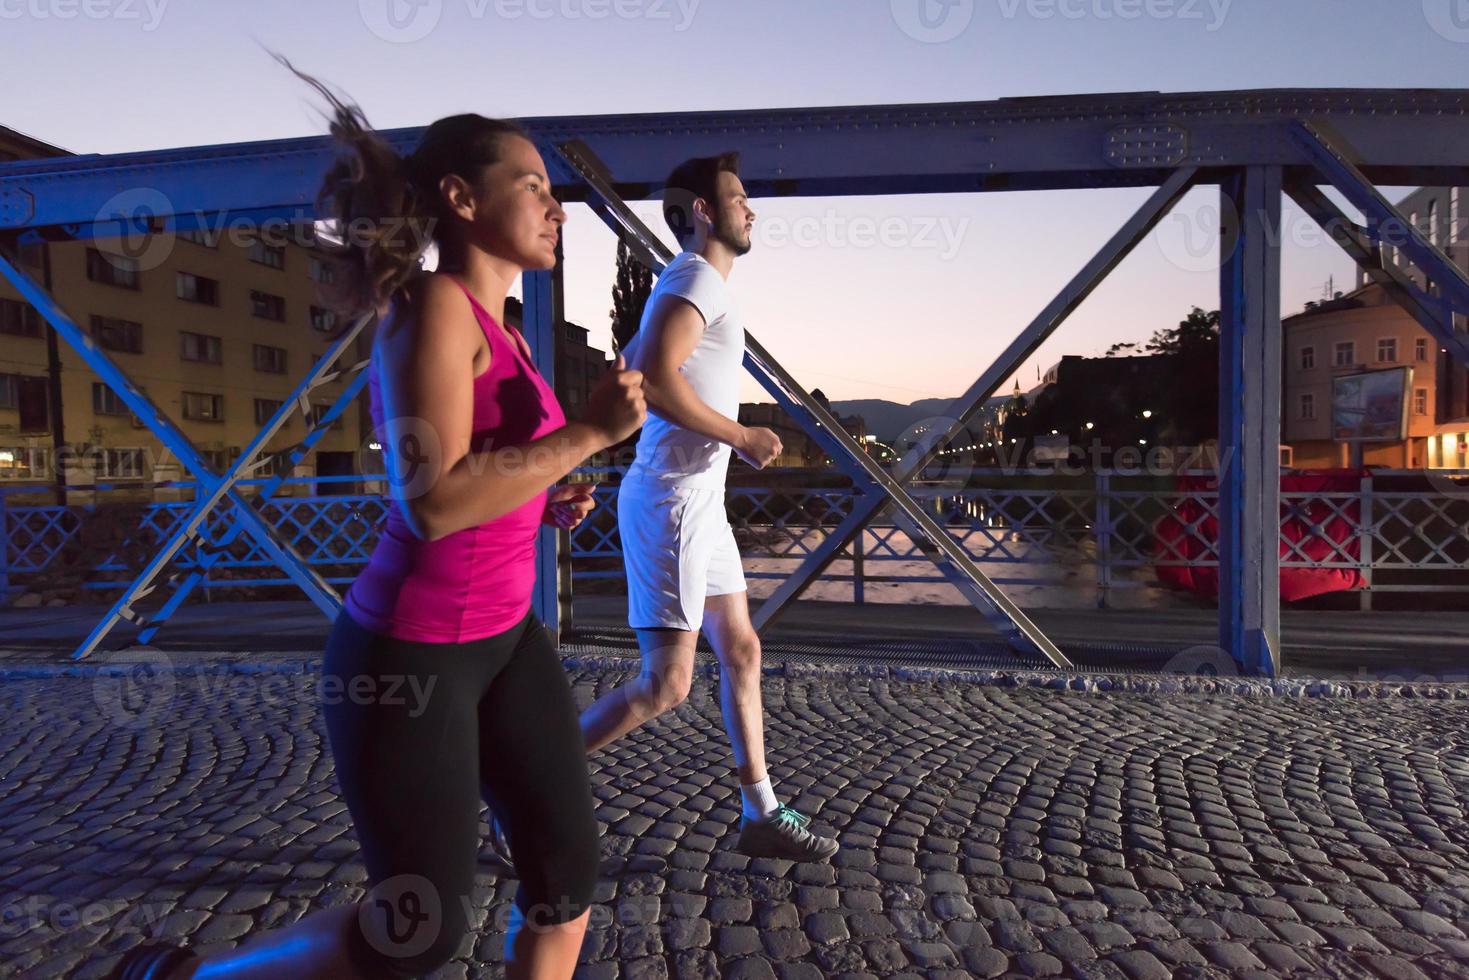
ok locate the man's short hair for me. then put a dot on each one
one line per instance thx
(691, 179)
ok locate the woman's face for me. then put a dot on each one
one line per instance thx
(515, 218)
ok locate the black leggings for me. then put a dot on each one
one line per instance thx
(419, 732)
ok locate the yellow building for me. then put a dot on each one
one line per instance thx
(216, 327)
(1362, 331)
(1365, 330)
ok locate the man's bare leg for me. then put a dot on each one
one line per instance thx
(667, 674)
(737, 645)
(767, 829)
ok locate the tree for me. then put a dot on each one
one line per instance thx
(1197, 335)
(629, 295)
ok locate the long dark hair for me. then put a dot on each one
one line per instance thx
(388, 207)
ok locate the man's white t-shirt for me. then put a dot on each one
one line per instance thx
(667, 454)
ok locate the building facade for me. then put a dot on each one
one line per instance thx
(1365, 330)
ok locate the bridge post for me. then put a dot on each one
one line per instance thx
(1249, 420)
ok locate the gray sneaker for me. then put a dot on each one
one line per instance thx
(784, 834)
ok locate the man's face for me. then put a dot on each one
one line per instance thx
(733, 219)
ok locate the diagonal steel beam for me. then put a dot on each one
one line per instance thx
(246, 464)
(310, 582)
(1357, 242)
(963, 408)
(1333, 159)
(957, 565)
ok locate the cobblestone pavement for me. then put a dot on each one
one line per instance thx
(988, 830)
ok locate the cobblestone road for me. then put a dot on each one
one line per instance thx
(988, 830)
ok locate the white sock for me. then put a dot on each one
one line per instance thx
(760, 799)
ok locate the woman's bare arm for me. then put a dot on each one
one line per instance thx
(427, 386)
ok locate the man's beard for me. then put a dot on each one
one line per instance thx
(728, 235)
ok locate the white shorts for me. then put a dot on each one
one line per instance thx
(678, 549)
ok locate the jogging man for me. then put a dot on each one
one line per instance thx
(683, 568)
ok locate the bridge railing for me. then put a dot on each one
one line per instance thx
(1028, 528)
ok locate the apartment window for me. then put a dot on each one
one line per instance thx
(117, 334)
(119, 463)
(1433, 235)
(1345, 353)
(112, 270)
(19, 319)
(29, 394)
(23, 463)
(265, 409)
(198, 289)
(33, 255)
(200, 236)
(314, 417)
(200, 347)
(105, 401)
(1420, 349)
(323, 320)
(271, 255)
(1454, 219)
(266, 305)
(270, 359)
(203, 407)
(217, 459)
(1308, 358)
(323, 270)
(1387, 349)
(1420, 401)
(1308, 406)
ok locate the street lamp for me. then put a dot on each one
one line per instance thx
(1147, 413)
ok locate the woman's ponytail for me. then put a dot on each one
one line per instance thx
(383, 220)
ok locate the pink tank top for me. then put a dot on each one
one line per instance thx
(475, 582)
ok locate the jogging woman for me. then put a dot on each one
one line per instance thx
(474, 440)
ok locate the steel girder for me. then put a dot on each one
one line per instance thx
(1335, 160)
(1120, 140)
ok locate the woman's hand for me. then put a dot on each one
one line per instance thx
(567, 506)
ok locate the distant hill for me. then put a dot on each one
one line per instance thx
(888, 420)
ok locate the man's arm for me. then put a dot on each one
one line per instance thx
(673, 331)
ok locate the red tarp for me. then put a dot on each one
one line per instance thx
(1175, 541)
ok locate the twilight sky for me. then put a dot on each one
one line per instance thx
(918, 310)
